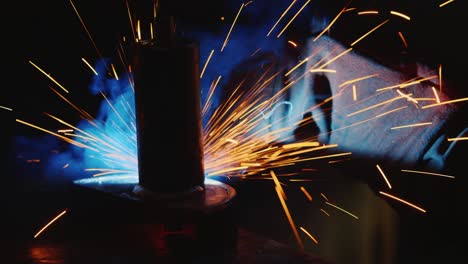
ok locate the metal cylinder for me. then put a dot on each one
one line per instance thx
(169, 127)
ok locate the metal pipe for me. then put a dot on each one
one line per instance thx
(168, 108)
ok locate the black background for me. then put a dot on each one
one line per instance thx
(50, 34)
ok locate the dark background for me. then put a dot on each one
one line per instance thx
(50, 34)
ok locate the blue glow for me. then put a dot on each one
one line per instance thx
(129, 179)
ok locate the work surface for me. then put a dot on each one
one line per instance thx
(251, 249)
(372, 230)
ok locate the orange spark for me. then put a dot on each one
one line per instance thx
(151, 30)
(50, 222)
(210, 94)
(240, 168)
(324, 197)
(297, 66)
(206, 63)
(301, 144)
(310, 150)
(436, 95)
(341, 209)
(335, 58)
(115, 72)
(278, 184)
(430, 173)
(292, 43)
(71, 104)
(457, 138)
(86, 29)
(306, 193)
(354, 93)
(358, 79)
(337, 161)
(413, 125)
(329, 25)
(130, 18)
(64, 130)
(57, 135)
(232, 26)
(417, 81)
(391, 111)
(403, 201)
(309, 235)
(440, 77)
(138, 31)
(323, 70)
(407, 97)
(403, 39)
(447, 102)
(294, 17)
(6, 108)
(374, 106)
(383, 175)
(328, 156)
(288, 215)
(406, 84)
(445, 3)
(89, 65)
(300, 180)
(368, 12)
(400, 15)
(282, 15)
(369, 32)
(325, 212)
(48, 76)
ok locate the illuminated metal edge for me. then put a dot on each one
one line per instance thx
(216, 194)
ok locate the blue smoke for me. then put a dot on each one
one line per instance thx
(110, 136)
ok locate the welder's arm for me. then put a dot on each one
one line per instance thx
(376, 111)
